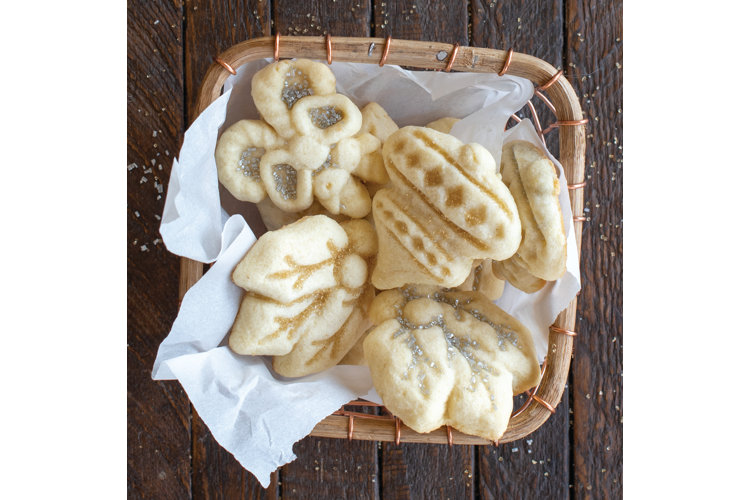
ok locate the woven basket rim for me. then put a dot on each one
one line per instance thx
(426, 55)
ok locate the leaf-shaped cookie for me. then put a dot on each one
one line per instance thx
(532, 179)
(448, 358)
(307, 290)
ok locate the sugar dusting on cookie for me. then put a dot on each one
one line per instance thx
(296, 86)
(249, 163)
(464, 345)
(285, 179)
(325, 116)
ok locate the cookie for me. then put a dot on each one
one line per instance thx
(511, 271)
(238, 154)
(377, 123)
(341, 193)
(279, 86)
(356, 355)
(274, 218)
(448, 358)
(482, 279)
(532, 179)
(446, 207)
(307, 294)
(326, 118)
(287, 180)
(443, 125)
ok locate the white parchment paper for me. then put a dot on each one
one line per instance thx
(252, 412)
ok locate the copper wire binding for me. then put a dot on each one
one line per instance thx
(386, 49)
(561, 123)
(569, 333)
(531, 394)
(543, 403)
(221, 62)
(506, 64)
(452, 59)
(449, 433)
(276, 42)
(329, 49)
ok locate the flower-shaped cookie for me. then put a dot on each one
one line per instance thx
(307, 293)
(532, 179)
(277, 88)
(326, 118)
(287, 181)
(238, 155)
(446, 208)
(448, 358)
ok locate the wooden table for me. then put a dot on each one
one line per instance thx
(577, 453)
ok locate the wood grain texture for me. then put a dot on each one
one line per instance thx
(313, 18)
(594, 44)
(332, 468)
(158, 413)
(438, 21)
(210, 27)
(428, 471)
(543, 458)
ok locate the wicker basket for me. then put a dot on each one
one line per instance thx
(560, 98)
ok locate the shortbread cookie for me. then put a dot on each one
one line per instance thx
(514, 273)
(351, 151)
(532, 179)
(377, 123)
(443, 125)
(287, 180)
(340, 193)
(482, 279)
(448, 358)
(307, 293)
(326, 118)
(446, 208)
(238, 154)
(277, 88)
(356, 355)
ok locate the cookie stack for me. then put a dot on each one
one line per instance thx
(387, 246)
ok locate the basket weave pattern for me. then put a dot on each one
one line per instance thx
(550, 87)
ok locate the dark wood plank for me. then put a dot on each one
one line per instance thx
(594, 55)
(539, 464)
(437, 21)
(212, 26)
(332, 468)
(158, 413)
(416, 470)
(310, 17)
(328, 468)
